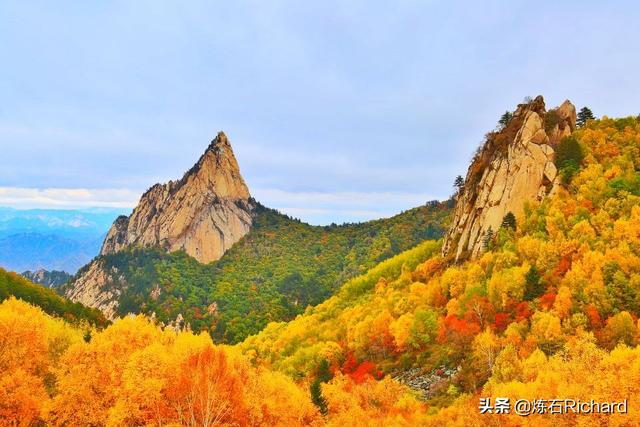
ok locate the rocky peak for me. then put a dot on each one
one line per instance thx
(217, 169)
(204, 213)
(514, 165)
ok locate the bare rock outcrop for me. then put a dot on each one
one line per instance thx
(514, 165)
(95, 287)
(204, 213)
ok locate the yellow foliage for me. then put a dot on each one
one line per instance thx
(507, 284)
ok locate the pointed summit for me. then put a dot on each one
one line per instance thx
(217, 171)
(204, 213)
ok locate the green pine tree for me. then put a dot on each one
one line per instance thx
(505, 118)
(509, 221)
(532, 289)
(488, 238)
(569, 156)
(317, 398)
(584, 115)
(323, 375)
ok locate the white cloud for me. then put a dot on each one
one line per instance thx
(312, 207)
(68, 197)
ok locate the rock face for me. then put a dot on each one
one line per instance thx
(204, 213)
(48, 279)
(515, 164)
(93, 288)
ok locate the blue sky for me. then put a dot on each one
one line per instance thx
(337, 111)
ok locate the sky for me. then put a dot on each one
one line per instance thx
(336, 110)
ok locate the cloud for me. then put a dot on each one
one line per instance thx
(313, 207)
(68, 197)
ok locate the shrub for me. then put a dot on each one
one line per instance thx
(551, 119)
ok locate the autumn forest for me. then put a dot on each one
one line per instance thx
(373, 324)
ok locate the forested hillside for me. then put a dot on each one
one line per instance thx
(554, 295)
(14, 285)
(278, 269)
(549, 310)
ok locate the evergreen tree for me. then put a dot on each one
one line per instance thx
(459, 182)
(584, 115)
(323, 375)
(569, 155)
(488, 238)
(532, 288)
(317, 398)
(509, 221)
(505, 118)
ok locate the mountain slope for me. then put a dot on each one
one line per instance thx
(14, 285)
(273, 273)
(262, 266)
(547, 296)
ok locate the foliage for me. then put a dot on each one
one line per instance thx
(509, 221)
(505, 118)
(584, 115)
(551, 120)
(275, 272)
(557, 299)
(317, 398)
(136, 373)
(14, 285)
(133, 373)
(487, 240)
(533, 288)
(569, 156)
(458, 182)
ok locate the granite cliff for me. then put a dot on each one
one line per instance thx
(203, 214)
(515, 165)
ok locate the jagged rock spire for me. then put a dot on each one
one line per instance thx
(514, 165)
(204, 213)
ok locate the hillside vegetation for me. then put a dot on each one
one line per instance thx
(550, 309)
(272, 274)
(14, 285)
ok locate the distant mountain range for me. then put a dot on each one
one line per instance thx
(52, 239)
